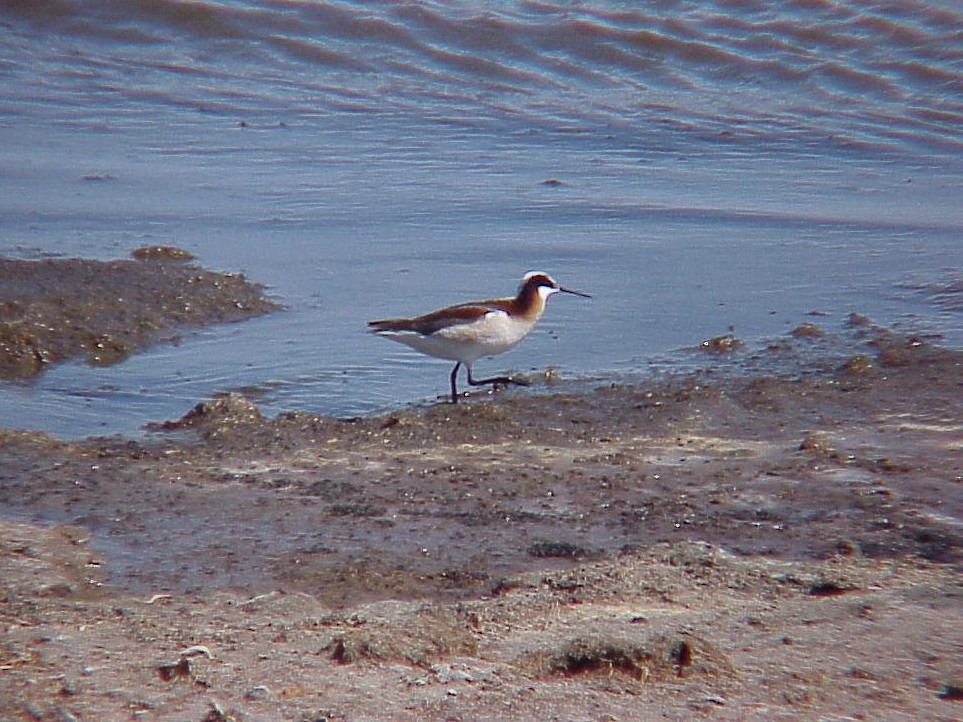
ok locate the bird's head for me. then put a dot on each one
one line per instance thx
(545, 285)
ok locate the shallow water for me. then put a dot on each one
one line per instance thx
(695, 166)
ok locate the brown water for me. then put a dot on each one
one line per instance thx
(696, 166)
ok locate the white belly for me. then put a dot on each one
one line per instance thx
(494, 333)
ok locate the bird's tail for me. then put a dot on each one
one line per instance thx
(389, 324)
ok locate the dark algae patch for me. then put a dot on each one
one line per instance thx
(661, 657)
(54, 310)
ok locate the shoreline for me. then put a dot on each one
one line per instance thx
(736, 547)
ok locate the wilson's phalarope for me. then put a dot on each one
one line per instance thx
(469, 331)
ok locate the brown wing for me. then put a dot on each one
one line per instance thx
(437, 320)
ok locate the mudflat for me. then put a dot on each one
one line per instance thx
(726, 546)
(56, 309)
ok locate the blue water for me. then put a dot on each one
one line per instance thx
(695, 166)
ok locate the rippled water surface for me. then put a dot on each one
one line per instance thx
(696, 166)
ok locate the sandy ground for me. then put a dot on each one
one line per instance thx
(710, 546)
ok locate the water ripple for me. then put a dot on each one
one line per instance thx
(816, 64)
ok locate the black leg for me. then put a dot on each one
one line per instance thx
(454, 382)
(505, 380)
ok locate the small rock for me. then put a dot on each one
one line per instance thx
(560, 549)
(858, 365)
(107, 351)
(856, 320)
(170, 672)
(216, 416)
(806, 330)
(161, 253)
(261, 692)
(817, 441)
(722, 344)
(216, 713)
(829, 589)
(197, 650)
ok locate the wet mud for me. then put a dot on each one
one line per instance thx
(710, 545)
(54, 310)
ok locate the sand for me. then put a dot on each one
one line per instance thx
(752, 545)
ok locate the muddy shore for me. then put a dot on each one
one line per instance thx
(56, 309)
(719, 546)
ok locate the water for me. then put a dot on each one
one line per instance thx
(695, 166)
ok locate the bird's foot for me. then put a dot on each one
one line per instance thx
(501, 381)
(512, 381)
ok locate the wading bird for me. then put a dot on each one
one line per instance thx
(469, 331)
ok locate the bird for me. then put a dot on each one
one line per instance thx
(469, 331)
